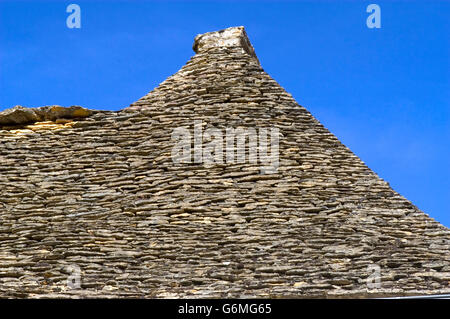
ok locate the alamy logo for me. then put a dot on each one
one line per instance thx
(74, 19)
(373, 281)
(373, 20)
(74, 279)
(242, 145)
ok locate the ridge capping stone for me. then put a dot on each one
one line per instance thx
(230, 37)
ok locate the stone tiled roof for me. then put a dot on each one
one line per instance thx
(104, 194)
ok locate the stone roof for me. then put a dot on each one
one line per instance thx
(103, 195)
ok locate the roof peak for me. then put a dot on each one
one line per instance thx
(230, 37)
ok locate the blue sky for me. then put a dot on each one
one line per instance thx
(383, 92)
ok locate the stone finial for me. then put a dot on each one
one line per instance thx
(230, 37)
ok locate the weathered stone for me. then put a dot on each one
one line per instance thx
(18, 115)
(231, 37)
(21, 115)
(104, 197)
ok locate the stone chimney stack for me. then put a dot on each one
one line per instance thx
(230, 37)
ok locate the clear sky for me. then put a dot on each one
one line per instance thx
(383, 92)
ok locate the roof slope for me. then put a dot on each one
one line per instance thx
(106, 196)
